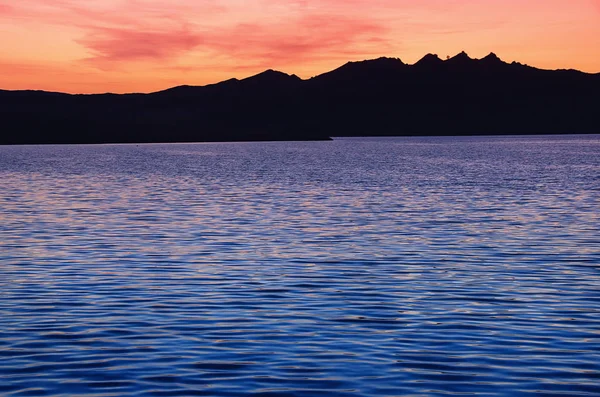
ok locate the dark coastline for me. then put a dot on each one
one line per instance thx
(382, 97)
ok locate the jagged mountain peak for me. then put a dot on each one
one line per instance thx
(429, 59)
(462, 56)
(492, 60)
(460, 59)
(491, 57)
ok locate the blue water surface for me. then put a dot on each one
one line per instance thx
(358, 267)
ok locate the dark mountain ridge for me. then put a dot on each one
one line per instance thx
(380, 97)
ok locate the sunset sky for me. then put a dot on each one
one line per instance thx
(147, 45)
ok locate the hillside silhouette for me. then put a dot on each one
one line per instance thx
(380, 97)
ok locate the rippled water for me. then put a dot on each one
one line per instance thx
(401, 266)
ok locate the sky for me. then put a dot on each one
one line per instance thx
(92, 46)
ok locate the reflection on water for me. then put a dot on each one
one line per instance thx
(405, 266)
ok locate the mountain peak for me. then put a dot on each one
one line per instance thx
(491, 57)
(462, 55)
(272, 75)
(429, 60)
(371, 68)
(271, 78)
(386, 60)
(379, 63)
(461, 58)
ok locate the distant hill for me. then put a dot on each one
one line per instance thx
(380, 97)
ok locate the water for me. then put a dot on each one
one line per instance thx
(358, 267)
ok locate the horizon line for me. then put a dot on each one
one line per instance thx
(492, 54)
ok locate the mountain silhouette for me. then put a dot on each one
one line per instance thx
(379, 97)
(429, 61)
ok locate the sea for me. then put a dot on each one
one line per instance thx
(432, 266)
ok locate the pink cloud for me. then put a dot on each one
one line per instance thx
(360, 7)
(122, 14)
(115, 33)
(115, 45)
(5, 9)
(304, 39)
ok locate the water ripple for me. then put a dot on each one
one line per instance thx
(412, 266)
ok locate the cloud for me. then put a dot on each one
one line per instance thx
(370, 6)
(297, 38)
(115, 45)
(114, 33)
(65, 11)
(5, 9)
(303, 39)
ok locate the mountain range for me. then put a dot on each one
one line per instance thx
(380, 97)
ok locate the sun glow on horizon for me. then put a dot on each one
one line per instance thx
(149, 45)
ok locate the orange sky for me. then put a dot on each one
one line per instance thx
(147, 45)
